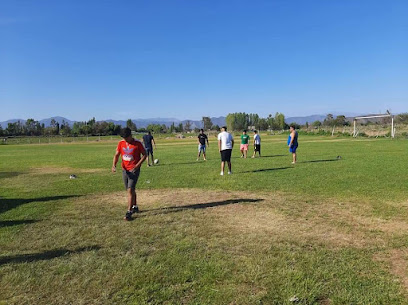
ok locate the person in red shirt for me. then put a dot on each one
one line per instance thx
(133, 155)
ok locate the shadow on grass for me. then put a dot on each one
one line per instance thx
(317, 161)
(8, 204)
(46, 255)
(273, 156)
(4, 175)
(198, 206)
(9, 223)
(267, 169)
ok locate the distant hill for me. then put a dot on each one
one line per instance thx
(303, 119)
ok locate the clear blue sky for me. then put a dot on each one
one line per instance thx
(188, 59)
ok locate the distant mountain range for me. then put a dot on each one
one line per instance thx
(142, 123)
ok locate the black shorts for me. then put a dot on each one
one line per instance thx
(257, 147)
(149, 151)
(226, 155)
(130, 178)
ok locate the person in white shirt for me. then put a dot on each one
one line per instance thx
(257, 144)
(225, 145)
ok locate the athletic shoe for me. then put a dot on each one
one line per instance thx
(135, 209)
(128, 216)
(229, 173)
(222, 174)
(293, 162)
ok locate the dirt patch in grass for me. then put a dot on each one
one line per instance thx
(397, 262)
(271, 216)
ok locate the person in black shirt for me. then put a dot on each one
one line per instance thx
(202, 139)
(148, 142)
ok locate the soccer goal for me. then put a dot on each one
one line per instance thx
(374, 116)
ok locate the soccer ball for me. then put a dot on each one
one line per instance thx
(156, 161)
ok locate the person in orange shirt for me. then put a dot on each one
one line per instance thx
(133, 155)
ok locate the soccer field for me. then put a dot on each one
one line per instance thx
(327, 230)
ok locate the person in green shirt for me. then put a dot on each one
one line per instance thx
(244, 144)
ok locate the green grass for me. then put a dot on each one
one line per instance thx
(326, 230)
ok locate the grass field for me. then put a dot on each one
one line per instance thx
(326, 231)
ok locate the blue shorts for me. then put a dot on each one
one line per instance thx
(201, 148)
(292, 149)
(149, 151)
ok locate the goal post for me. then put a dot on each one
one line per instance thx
(387, 115)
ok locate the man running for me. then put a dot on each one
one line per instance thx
(244, 144)
(293, 142)
(202, 138)
(148, 142)
(257, 144)
(133, 155)
(225, 145)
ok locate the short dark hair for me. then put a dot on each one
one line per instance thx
(125, 132)
(149, 132)
(255, 131)
(225, 127)
(244, 130)
(293, 126)
(202, 130)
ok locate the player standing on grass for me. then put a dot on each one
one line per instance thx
(202, 138)
(133, 155)
(257, 144)
(148, 141)
(225, 145)
(293, 142)
(244, 144)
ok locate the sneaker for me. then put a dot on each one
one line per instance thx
(128, 216)
(253, 157)
(205, 159)
(135, 209)
(222, 174)
(293, 162)
(229, 173)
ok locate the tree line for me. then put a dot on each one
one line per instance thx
(88, 128)
(234, 121)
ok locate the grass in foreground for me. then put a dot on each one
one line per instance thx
(336, 240)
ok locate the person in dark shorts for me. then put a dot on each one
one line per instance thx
(257, 144)
(133, 155)
(202, 139)
(148, 141)
(293, 143)
(225, 145)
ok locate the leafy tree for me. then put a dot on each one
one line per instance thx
(329, 120)
(1, 131)
(130, 124)
(65, 130)
(207, 123)
(172, 128)
(341, 121)
(317, 124)
(230, 121)
(187, 126)
(30, 127)
(263, 124)
(280, 120)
